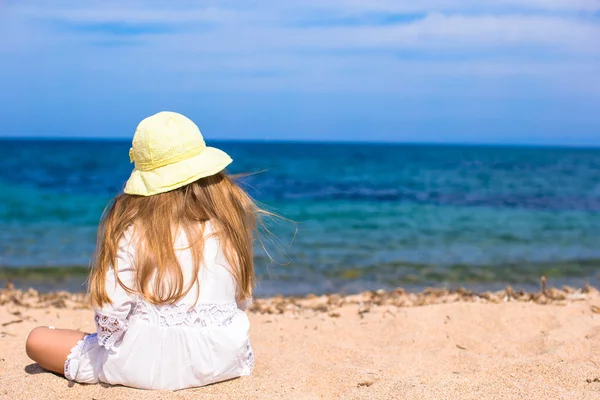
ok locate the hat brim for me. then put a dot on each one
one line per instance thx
(173, 176)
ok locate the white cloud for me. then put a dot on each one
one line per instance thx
(456, 5)
(260, 46)
(125, 13)
(447, 25)
(258, 11)
(435, 32)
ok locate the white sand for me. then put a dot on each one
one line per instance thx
(462, 350)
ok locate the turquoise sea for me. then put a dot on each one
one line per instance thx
(367, 216)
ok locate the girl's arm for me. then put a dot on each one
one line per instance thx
(112, 319)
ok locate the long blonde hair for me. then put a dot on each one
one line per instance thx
(158, 275)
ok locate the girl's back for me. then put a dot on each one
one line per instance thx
(172, 274)
(186, 344)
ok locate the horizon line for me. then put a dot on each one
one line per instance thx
(316, 141)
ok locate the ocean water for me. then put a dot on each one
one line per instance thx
(365, 216)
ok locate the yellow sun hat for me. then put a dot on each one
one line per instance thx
(169, 152)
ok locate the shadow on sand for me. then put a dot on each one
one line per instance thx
(34, 369)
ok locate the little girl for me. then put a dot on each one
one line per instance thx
(172, 274)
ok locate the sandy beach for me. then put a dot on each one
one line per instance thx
(375, 345)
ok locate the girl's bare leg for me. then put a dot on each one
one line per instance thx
(50, 347)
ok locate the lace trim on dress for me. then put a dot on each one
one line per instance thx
(110, 330)
(249, 358)
(72, 363)
(182, 315)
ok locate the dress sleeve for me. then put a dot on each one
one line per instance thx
(214, 251)
(112, 319)
(220, 259)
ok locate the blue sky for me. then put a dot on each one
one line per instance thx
(502, 71)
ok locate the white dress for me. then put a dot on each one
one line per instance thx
(177, 346)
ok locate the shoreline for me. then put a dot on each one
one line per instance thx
(73, 278)
(281, 304)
